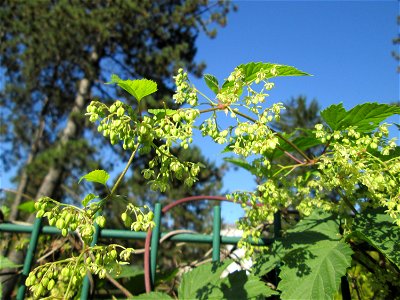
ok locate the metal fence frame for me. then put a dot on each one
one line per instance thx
(152, 240)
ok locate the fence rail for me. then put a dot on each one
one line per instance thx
(152, 240)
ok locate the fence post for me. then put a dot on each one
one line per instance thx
(29, 257)
(155, 239)
(216, 242)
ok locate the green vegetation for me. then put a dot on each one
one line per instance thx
(347, 194)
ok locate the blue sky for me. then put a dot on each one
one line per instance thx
(345, 45)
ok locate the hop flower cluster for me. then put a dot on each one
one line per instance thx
(136, 219)
(61, 279)
(358, 166)
(174, 127)
(69, 218)
(184, 93)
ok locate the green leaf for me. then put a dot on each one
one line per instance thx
(242, 164)
(240, 286)
(28, 206)
(316, 269)
(250, 71)
(126, 271)
(200, 282)
(315, 259)
(392, 154)
(377, 228)
(205, 282)
(161, 113)
(88, 198)
(269, 260)
(138, 88)
(366, 117)
(5, 263)
(152, 296)
(99, 176)
(212, 82)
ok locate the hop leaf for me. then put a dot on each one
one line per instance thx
(99, 176)
(138, 88)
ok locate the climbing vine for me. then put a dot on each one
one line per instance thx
(347, 193)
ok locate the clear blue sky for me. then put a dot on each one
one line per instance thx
(346, 45)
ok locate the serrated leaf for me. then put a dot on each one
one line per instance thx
(212, 82)
(138, 88)
(99, 176)
(378, 229)
(366, 117)
(199, 283)
(205, 282)
(88, 198)
(250, 71)
(238, 285)
(316, 270)
(315, 258)
(28, 206)
(161, 113)
(269, 260)
(152, 296)
(5, 263)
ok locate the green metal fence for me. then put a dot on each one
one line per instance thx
(152, 239)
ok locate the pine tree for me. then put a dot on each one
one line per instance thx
(58, 54)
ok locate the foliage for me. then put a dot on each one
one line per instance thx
(351, 184)
(55, 52)
(56, 56)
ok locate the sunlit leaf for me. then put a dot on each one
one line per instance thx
(212, 82)
(88, 198)
(250, 71)
(366, 117)
(99, 176)
(138, 88)
(28, 206)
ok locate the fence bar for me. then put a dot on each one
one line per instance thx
(122, 234)
(29, 257)
(86, 282)
(216, 241)
(127, 234)
(155, 238)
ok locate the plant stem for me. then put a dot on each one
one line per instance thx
(124, 171)
(204, 96)
(348, 203)
(278, 135)
(209, 109)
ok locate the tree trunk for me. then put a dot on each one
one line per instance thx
(23, 182)
(52, 178)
